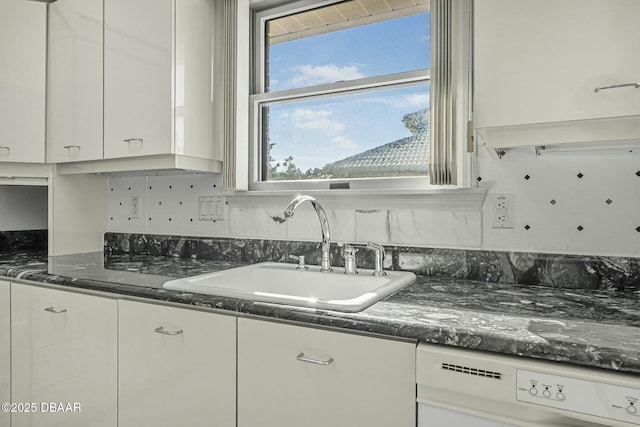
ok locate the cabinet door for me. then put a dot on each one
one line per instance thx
(5, 350)
(64, 350)
(138, 77)
(74, 81)
(295, 376)
(539, 62)
(177, 367)
(23, 34)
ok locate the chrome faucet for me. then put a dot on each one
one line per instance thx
(325, 265)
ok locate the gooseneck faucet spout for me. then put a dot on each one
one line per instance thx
(325, 265)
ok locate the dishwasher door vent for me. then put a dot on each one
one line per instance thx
(471, 371)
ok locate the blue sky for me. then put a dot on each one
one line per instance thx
(325, 130)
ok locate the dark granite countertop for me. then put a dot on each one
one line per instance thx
(591, 328)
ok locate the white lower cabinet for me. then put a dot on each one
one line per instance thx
(296, 376)
(5, 350)
(177, 367)
(63, 358)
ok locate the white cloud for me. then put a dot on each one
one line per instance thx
(309, 75)
(417, 100)
(345, 145)
(304, 118)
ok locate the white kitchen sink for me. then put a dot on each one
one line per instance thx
(282, 283)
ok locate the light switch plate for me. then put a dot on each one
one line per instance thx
(212, 208)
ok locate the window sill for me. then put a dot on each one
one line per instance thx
(462, 199)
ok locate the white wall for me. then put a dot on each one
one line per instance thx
(23, 208)
(608, 229)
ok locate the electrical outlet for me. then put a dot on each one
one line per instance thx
(135, 206)
(502, 210)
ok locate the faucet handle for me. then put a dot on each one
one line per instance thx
(378, 259)
(349, 255)
(300, 259)
(347, 250)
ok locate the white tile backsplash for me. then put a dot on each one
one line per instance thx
(373, 226)
(257, 223)
(608, 229)
(457, 229)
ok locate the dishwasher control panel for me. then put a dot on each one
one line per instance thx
(577, 395)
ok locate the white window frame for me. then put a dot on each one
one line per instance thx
(259, 97)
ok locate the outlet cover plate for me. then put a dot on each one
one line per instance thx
(503, 209)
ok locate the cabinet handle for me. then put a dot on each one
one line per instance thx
(634, 84)
(55, 310)
(162, 330)
(130, 140)
(4, 147)
(302, 358)
(69, 147)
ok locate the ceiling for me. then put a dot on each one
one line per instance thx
(341, 16)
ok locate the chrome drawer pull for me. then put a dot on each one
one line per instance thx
(55, 310)
(634, 84)
(69, 147)
(301, 358)
(130, 140)
(4, 147)
(162, 330)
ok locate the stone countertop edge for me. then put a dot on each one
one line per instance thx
(408, 314)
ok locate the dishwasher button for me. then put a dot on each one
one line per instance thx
(546, 393)
(533, 391)
(560, 396)
(632, 409)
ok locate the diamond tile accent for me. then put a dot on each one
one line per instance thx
(580, 228)
(608, 201)
(527, 227)
(638, 173)
(638, 229)
(527, 177)
(580, 175)
(553, 201)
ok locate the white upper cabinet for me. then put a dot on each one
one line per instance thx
(137, 84)
(23, 35)
(158, 78)
(74, 81)
(539, 64)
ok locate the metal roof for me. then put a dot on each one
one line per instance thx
(404, 157)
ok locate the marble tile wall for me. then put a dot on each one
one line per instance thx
(559, 271)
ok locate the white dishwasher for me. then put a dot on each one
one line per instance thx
(458, 387)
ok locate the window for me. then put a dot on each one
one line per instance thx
(342, 93)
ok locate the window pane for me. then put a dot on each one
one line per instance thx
(346, 41)
(371, 134)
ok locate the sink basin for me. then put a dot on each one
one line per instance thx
(282, 283)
